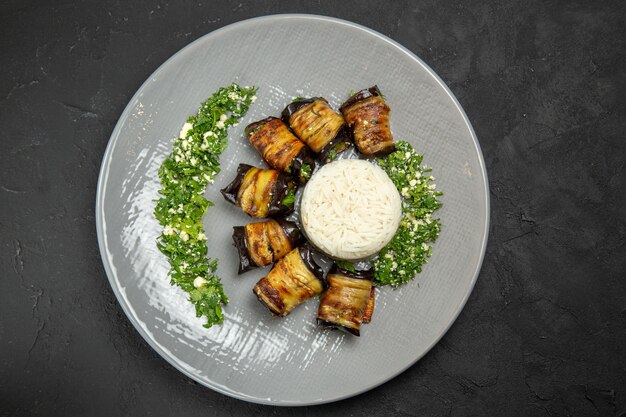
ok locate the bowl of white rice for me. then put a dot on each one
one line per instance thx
(350, 209)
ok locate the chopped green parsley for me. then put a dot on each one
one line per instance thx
(290, 198)
(409, 249)
(305, 172)
(185, 174)
(348, 266)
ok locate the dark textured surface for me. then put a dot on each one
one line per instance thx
(544, 332)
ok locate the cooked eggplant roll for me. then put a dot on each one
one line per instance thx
(261, 192)
(318, 125)
(262, 243)
(345, 303)
(369, 309)
(367, 114)
(293, 280)
(280, 148)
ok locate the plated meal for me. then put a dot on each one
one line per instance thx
(345, 208)
(255, 355)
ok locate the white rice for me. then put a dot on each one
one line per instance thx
(350, 209)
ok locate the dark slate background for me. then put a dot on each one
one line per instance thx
(543, 83)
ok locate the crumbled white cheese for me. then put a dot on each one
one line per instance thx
(199, 282)
(219, 124)
(168, 230)
(201, 236)
(186, 128)
(184, 235)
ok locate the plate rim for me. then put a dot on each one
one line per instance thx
(103, 176)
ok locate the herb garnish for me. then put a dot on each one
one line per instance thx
(185, 174)
(348, 266)
(290, 198)
(403, 257)
(305, 172)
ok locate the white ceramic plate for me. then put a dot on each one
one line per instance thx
(254, 356)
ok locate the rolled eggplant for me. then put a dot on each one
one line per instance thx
(293, 280)
(280, 148)
(262, 243)
(369, 308)
(261, 192)
(367, 114)
(318, 125)
(348, 301)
